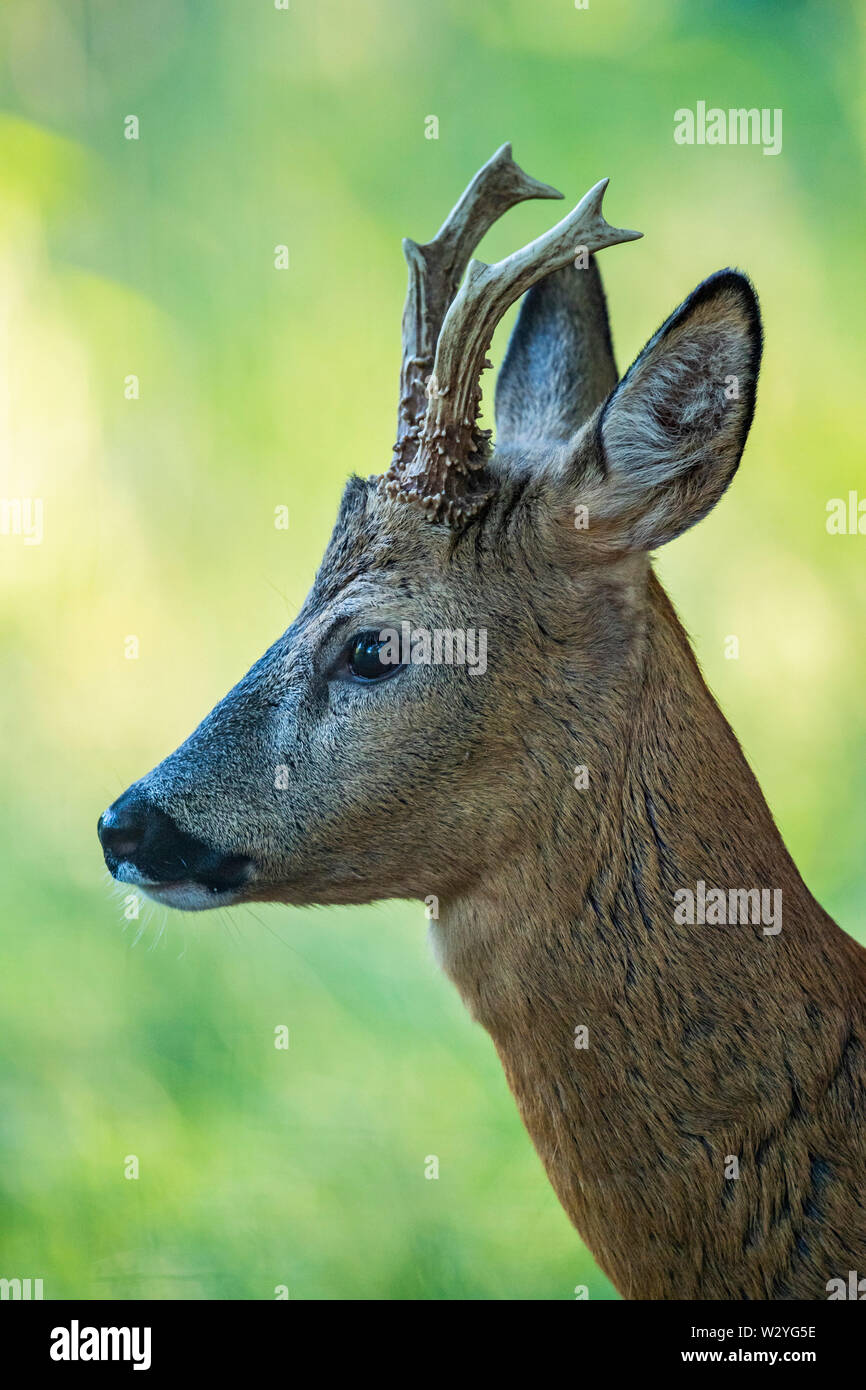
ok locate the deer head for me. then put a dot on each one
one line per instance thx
(338, 770)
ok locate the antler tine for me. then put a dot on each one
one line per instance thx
(435, 271)
(450, 445)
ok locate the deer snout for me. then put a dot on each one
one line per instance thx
(144, 846)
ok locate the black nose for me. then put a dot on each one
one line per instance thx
(136, 833)
(121, 828)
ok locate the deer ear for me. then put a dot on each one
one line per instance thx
(559, 366)
(671, 434)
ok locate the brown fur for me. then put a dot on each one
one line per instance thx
(704, 1042)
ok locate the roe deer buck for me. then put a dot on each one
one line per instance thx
(708, 1142)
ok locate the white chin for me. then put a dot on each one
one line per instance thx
(187, 897)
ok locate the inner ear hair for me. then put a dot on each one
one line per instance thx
(671, 434)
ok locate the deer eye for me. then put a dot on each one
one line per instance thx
(367, 657)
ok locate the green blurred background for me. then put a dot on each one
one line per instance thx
(262, 387)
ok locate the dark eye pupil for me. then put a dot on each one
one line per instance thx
(365, 658)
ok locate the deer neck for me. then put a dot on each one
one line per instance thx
(667, 1072)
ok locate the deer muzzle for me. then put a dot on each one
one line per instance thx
(144, 847)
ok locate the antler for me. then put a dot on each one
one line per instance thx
(434, 465)
(435, 271)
